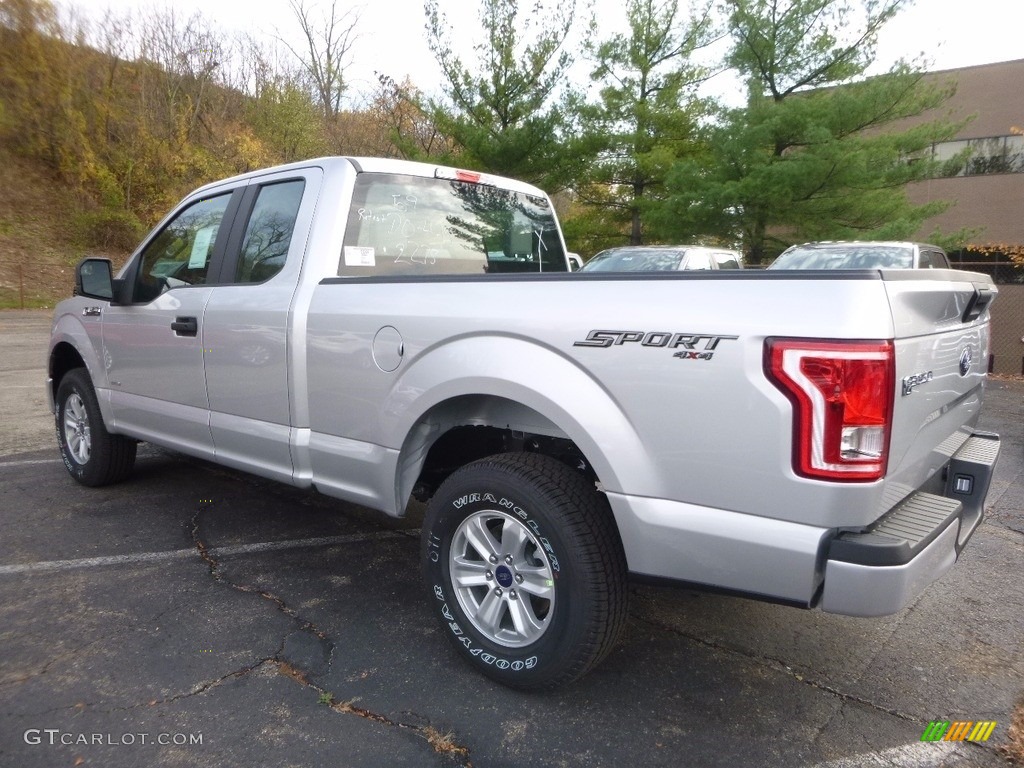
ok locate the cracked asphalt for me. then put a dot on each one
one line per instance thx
(287, 629)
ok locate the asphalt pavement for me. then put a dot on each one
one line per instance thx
(194, 615)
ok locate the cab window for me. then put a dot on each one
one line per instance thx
(180, 254)
(933, 260)
(269, 232)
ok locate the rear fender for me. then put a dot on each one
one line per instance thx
(511, 383)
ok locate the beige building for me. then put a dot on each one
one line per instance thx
(987, 193)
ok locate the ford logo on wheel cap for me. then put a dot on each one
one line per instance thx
(504, 576)
(965, 361)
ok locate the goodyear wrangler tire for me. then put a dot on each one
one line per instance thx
(92, 455)
(525, 569)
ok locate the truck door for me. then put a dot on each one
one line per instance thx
(247, 324)
(153, 346)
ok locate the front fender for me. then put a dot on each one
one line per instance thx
(84, 335)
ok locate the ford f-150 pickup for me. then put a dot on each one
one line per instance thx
(378, 330)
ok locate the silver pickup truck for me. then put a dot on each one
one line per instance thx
(379, 330)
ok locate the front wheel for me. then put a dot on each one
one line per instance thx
(525, 569)
(92, 455)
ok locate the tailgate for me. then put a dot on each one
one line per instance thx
(939, 467)
(941, 324)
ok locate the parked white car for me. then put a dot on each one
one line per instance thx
(663, 258)
(862, 255)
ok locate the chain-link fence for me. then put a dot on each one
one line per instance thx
(1007, 353)
(1008, 331)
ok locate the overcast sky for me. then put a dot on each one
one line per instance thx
(391, 37)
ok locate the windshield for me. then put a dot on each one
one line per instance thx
(634, 260)
(400, 225)
(852, 256)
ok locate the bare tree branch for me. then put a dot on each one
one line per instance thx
(328, 40)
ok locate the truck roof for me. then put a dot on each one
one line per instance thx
(384, 165)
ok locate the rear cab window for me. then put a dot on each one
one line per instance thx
(411, 225)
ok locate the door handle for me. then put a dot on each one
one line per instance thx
(185, 326)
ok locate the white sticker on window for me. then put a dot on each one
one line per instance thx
(360, 256)
(201, 248)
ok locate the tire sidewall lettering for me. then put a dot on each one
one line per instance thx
(565, 518)
(516, 665)
(434, 541)
(72, 466)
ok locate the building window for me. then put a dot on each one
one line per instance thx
(979, 157)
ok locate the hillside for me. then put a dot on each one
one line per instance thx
(103, 129)
(39, 244)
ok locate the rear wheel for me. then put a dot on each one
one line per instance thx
(92, 455)
(525, 569)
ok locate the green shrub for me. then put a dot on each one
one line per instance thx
(108, 230)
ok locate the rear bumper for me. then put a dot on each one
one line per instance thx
(873, 572)
(880, 570)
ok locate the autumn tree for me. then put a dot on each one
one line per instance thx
(280, 111)
(503, 114)
(397, 109)
(187, 53)
(34, 79)
(134, 111)
(814, 153)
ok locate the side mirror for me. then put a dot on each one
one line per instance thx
(94, 278)
(575, 262)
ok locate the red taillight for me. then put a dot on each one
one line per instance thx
(842, 395)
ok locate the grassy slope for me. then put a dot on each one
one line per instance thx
(36, 234)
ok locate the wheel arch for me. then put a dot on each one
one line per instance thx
(465, 428)
(519, 389)
(71, 346)
(64, 357)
